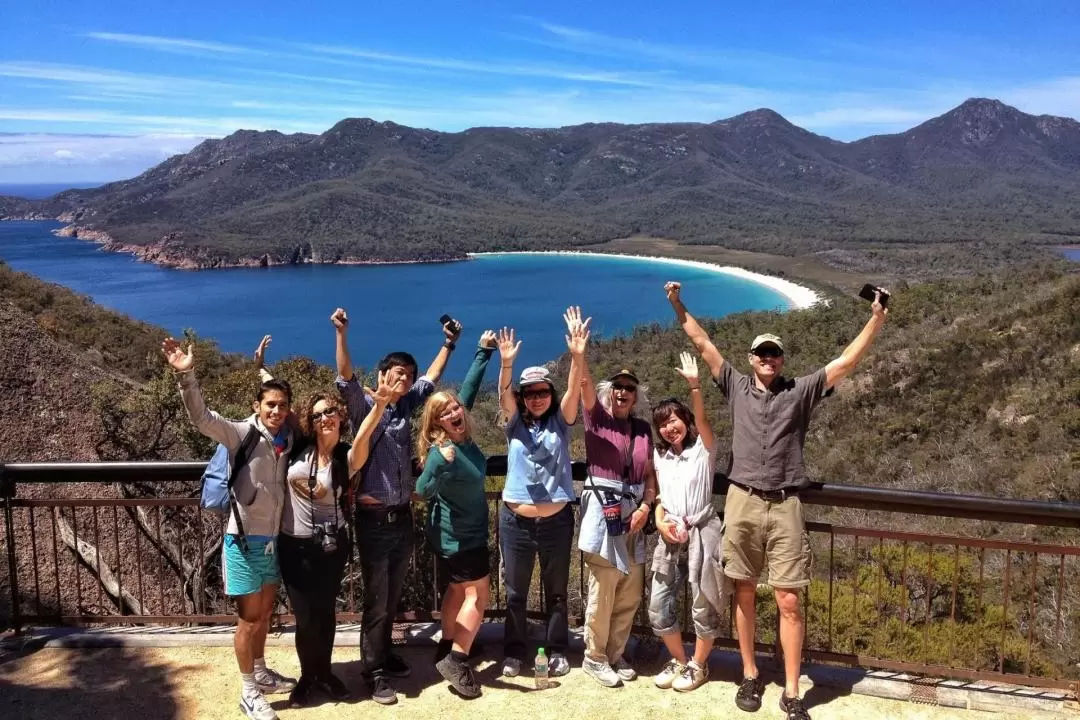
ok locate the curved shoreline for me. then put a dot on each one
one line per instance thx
(800, 297)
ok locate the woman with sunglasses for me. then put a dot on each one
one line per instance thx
(314, 544)
(535, 517)
(615, 506)
(453, 482)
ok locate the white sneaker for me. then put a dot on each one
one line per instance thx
(693, 676)
(602, 672)
(672, 669)
(257, 707)
(558, 665)
(512, 667)
(272, 683)
(624, 670)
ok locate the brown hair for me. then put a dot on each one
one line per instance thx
(430, 433)
(333, 399)
(662, 412)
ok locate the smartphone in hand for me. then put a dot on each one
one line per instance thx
(867, 293)
(454, 325)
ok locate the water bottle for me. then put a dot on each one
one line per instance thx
(540, 670)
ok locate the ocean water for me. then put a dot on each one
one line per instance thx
(391, 307)
(1072, 253)
(37, 191)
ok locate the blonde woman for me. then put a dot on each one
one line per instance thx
(453, 483)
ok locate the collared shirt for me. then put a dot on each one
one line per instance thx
(685, 479)
(388, 474)
(769, 427)
(538, 461)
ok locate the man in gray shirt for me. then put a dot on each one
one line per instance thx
(763, 516)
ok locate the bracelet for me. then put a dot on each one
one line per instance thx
(450, 345)
(698, 388)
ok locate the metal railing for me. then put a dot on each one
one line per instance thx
(940, 604)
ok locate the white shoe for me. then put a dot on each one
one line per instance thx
(257, 707)
(672, 669)
(270, 682)
(624, 670)
(602, 672)
(512, 667)
(693, 676)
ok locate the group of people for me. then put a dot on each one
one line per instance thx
(303, 483)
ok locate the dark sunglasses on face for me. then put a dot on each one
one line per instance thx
(536, 394)
(328, 413)
(624, 387)
(769, 353)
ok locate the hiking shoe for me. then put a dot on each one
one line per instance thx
(459, 675)
(382, 691)
(748, 698)
(512, 667)
(602, 672)
(301, 694)
(672, 669)
(333, 687)
(624, 670)
(793, 708)
(693, 676)
(270, 682)
(558, 665)
(395, 667)
(257, 707)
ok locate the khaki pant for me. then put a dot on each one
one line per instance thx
(760, 534)
(609, 614)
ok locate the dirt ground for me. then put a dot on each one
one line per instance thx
(148, 684)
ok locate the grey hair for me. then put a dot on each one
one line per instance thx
(641, 401)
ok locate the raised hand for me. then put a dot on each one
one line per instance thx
(689, 370)
(260, 352)
(877, 308)
(578, 339)
(452, 330)
(179, 360)
(508, 348)
(387, 389)
(572, 318)
(487, 339)
(340, 319)
(672, 289)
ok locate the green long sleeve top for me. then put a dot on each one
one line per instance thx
(457, 512)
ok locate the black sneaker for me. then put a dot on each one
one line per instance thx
(334, 688)
(382, 691)
(748, 699)
(395, 667)
(793, 707)
(443, 649)
(460, 676)
(300, 696)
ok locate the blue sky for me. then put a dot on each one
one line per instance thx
(102, 90)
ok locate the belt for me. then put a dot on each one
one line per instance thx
(769, 495)
(381, 514)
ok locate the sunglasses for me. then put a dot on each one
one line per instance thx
(624, 387)
(536, 394)
(328, 413)
(769, 353)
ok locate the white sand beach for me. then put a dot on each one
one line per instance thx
(799, 296)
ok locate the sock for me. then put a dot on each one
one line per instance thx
(444, 648)
(247, 684)
(459, 656)
(260, 666)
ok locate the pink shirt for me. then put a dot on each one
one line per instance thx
(607, 444)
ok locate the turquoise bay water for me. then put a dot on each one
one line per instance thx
(391, 307)
(1072, 253)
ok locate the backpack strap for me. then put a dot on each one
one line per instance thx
(243, 454)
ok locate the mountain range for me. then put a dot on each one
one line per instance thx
(984, 177)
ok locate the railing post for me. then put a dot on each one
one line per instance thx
(7, 495)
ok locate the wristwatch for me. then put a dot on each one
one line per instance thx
(450, 345)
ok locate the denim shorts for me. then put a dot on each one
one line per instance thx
(247, 572)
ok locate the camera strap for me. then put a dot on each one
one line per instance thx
(313, 471)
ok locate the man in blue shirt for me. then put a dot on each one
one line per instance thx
(384, 529)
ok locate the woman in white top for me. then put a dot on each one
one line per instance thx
(690, 533)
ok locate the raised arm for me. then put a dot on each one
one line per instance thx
(209, 423)
(842, 366)
(361, 444)
(577, 340)
(689, 371)
(451, 332)
(470, 386)
(508, 350)
(260, 359)
(712, 357)
(574, 323)
(340, 319)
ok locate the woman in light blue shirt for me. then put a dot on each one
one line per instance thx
(535, 517)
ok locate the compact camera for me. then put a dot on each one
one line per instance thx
(326, 535)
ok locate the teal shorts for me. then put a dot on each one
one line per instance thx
(247, 572)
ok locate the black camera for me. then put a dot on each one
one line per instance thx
(326, 535)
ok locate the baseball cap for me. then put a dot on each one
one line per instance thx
(766, 339)
(624, 373)
(534, 375)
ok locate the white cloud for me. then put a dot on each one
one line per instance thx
(174, 45)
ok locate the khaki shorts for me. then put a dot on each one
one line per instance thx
(757, 532)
